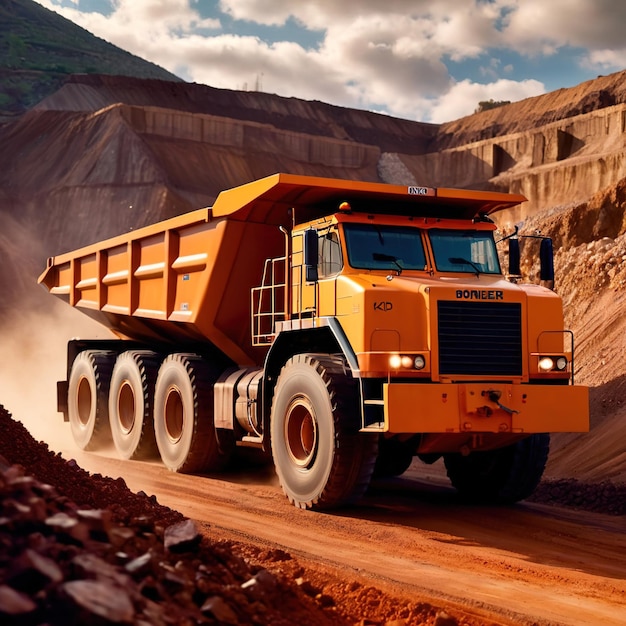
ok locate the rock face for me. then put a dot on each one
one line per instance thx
(105, 154)
(557, 163)
(93, 93)
(536, 112)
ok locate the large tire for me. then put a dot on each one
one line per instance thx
(88, 398)
(131, 401)
(321, 458)
(394, 458)
(183, 416)
(500, 476)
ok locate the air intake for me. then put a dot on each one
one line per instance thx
(480, 338)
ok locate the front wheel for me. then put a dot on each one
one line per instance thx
(183, 416)
(505, 475)
(321, 458)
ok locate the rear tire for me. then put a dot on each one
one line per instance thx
(500, 476)
(321, 458)
(394, 458)
(88, 398)
(131, 402)
(183, 416)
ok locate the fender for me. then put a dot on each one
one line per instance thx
(320, 334)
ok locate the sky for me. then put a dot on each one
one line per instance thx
(423, 60)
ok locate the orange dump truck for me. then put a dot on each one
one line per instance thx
(343, 327)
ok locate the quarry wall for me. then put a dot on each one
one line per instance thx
(559, 163)
(106, 154)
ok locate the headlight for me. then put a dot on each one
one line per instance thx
(552, 363)
(407, 362)
(419, 362)
(395, 361)
(546, 364)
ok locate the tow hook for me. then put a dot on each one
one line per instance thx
(495, 396)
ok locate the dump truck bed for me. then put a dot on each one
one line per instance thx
(187, 280)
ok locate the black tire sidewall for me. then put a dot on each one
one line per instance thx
(304, 486)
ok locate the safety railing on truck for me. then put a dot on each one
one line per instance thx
(269, 302)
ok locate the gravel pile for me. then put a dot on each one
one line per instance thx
(605, 497)
(119, 557)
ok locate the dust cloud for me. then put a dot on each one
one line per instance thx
(34, 348)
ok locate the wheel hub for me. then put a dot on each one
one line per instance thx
(174, 414)
(301, 433)
(84, 401)
(126, 407)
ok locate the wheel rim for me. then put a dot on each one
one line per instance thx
(174, 414)
(126, 407)
(301, 436)
(84, 401)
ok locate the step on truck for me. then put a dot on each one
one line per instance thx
(343, 328)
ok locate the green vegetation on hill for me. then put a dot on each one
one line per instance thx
(487, 105)
(39, 49)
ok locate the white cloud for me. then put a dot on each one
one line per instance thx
(284, 67)
(609, 60)
(138, 20)
(542, 25)
(463, 98)
(388, 57)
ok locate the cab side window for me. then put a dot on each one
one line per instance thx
(330, 261)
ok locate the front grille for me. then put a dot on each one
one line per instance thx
(480, 338)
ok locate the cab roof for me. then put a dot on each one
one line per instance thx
(269, 200)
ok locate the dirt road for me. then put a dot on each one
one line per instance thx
(526, 564)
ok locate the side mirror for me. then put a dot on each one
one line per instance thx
(546, 258)
(514, 257)
(311, 254)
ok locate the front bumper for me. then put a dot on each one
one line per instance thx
(483, 408)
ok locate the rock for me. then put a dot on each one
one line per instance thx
(219, 610)
(97, 520)
(181, 537)
(140, 564)
(325, 600)
(307, 587)
(31, 571)
(13, 602)
(443, 619)
(261, 584)
(101, 599)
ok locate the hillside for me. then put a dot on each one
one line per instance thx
(39, 49)
(555, 106)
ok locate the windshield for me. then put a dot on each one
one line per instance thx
(377, 247)
(464, 251)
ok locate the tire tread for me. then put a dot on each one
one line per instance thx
(355, 452)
